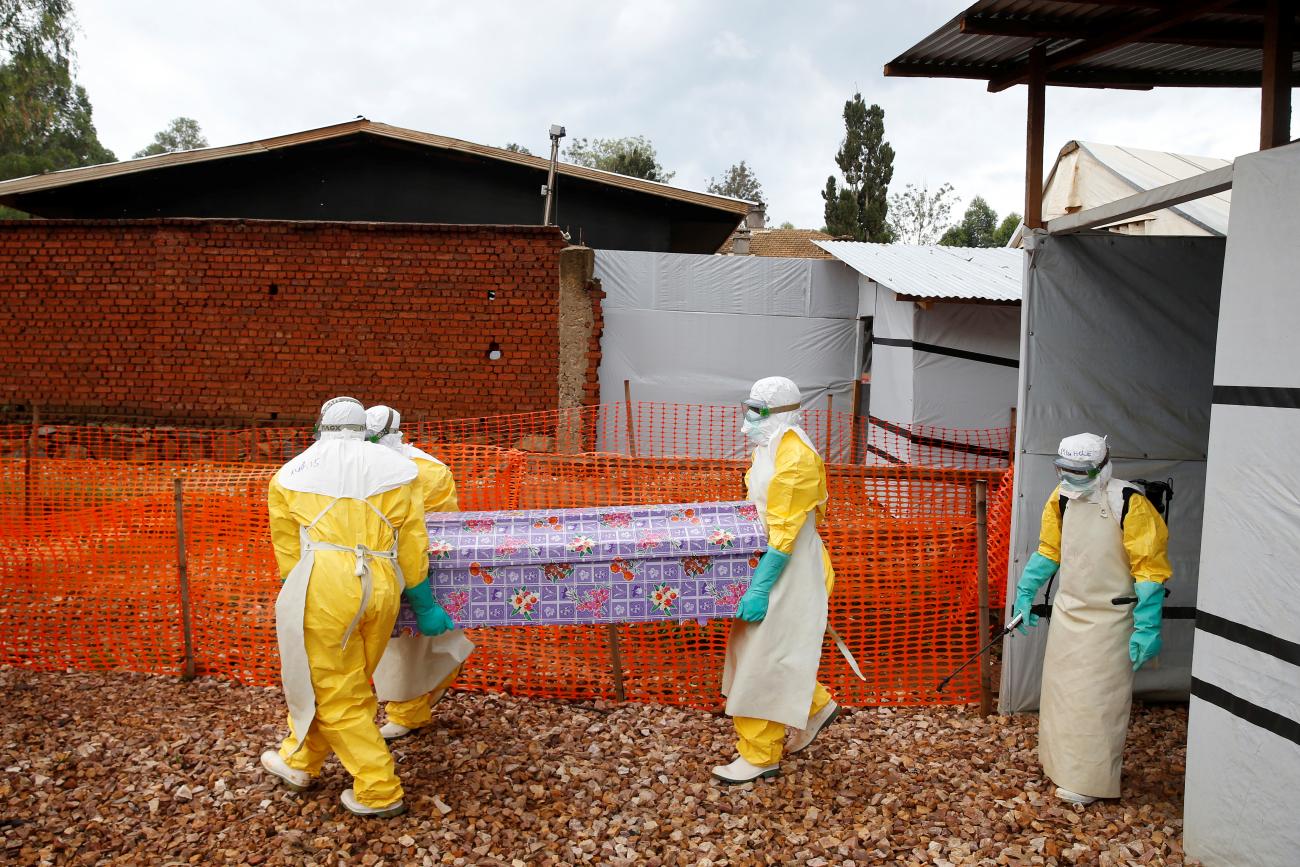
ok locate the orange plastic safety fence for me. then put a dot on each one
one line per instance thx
(89, 575)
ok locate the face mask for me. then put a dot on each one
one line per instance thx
(752, 426)
(1077, 484)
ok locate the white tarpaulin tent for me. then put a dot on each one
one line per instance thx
(700, 329)
(1118, 339)
(945, 334)
(1242, 802)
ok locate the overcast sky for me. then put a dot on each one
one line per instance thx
(709, 83)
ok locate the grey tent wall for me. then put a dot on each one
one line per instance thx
(1243, 739)
(694, 329)
(1117, 338)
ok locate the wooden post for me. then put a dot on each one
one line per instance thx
(182, 572)
(1275, 83)
(1011, 449)
(830, 406)
(854, 406)
(615, 659)
(1034, 138)
(31, 449)
(627, 406)
(982, 572)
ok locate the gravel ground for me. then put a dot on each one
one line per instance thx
(129, 769)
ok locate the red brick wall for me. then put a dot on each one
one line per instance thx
(206, 320)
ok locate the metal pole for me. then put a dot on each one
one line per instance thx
(982, 572)
(548, 211)
(1011, 450)
(627, 406)
(182, 571)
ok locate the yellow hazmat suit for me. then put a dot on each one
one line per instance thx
(344, 720)
(796, 492)
(438, 491)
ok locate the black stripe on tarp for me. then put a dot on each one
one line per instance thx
(879, 452)
(1249, 636)
(1270, 721)
(936, 442)
(1251, 395)
(1178, 612)
(945, 350)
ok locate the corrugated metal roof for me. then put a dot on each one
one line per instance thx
(1145, 170)
(932, 271)
(66, 177)
(1218, 48)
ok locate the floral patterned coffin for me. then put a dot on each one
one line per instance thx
(601, 565)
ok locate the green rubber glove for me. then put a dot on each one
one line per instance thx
(431, 617)
(1145, 643)
(753, 605)
(1037, 572)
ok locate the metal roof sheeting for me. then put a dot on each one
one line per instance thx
(66, 177)
(949, 52)
(932, 271)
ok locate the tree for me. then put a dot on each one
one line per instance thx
(517, 148)
(1006, 229)
(45, 116)
(632, 155)
(739, 182)
(977, 228)
(867, 163)
(182, 134)
(786, 225)
(917, 215)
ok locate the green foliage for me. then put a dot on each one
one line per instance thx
(866, 161)
(917, 215)
(45, 116)
(739, 182)
(787, 225)
(517, 148)
(632, 155)
(1006, 229)
(978, 227)
(182, 134)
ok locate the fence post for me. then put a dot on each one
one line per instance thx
(182, 571)
(830, 404)
(982, 572)
(1011, 449)
(627, 406)
(30, 449)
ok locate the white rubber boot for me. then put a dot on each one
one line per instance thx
(1074, 797)
(393, 731)
(357, 808)
(741, 771)
(275, 766)
(805, 736)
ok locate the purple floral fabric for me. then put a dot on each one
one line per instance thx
(623, 564)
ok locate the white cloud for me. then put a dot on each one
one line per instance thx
(708, 85)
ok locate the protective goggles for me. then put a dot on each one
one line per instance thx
(762, 410)
(390, 426)
(1078, 469)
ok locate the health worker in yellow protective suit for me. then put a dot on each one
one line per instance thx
(416, 670)
(349, 538)
(770, 675)
(1109, 546)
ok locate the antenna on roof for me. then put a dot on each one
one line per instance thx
(548, 212)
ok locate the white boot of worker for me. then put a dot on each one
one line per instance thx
(357, 808)
(804, 736)
(1073, 797)
(741, 771)
(275, 766)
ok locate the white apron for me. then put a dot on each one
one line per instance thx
(1087, 675)
(771, 666)
(413, 665)
(335, 469)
